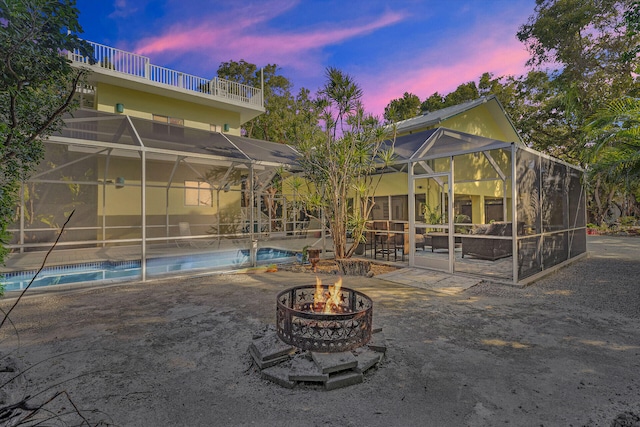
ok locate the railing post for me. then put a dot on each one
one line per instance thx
(147, 73)
(262, 86)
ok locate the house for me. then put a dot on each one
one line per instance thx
(162, 182)
(154, 166)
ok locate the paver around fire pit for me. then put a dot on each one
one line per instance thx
(289, 366)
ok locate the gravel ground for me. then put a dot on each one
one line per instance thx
(564, 351)
(607, 282)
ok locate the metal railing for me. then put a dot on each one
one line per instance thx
(120, 61)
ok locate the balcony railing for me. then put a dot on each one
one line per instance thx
(129, 63)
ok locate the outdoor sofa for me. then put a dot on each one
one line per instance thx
(481, 243)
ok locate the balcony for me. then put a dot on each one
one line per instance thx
(112, 61)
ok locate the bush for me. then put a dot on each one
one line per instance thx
(628, 221)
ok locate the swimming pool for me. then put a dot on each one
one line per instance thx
(118, 271)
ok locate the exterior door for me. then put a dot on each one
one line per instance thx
(434, 242)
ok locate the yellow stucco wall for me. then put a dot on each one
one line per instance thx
(144, 105)
(479, 121)
(487, 120)
(126, 200)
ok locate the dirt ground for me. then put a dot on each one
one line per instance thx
(564, 351)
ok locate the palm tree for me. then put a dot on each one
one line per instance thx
(616, 128)
(613, 155)
(343, 164)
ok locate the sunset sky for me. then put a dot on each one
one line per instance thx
(389, 47)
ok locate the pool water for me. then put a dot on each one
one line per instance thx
(130, 270)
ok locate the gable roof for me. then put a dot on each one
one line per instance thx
(440, 142)
(434, 118)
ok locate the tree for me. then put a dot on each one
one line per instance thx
(342, 164)
(632, 19)
(463, 93)
(278, 101)
(615, 157)
(37, 86)
(433, 103)
(402, 108)
(586, 41)
(591, 45)
(306, 118)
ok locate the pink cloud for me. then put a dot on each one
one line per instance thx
(244, 35)
(443, 68)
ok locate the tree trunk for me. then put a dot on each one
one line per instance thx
(354, 267)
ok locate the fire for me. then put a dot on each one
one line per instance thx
(329, 297)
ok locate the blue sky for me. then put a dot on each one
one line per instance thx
(389, 47)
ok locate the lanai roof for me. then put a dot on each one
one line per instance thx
(106, 129)
(441, 142)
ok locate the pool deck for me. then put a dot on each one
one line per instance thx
(475, 269)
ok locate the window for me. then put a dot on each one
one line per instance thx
(160, 119)
(399, 208)
(464, 206)
(165, 125)
(493, 210)
(197, 193)
(390, 207)
(380, 209)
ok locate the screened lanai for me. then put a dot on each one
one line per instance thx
(461, 203)
(154, 198)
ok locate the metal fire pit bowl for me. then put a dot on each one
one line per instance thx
(304, 328)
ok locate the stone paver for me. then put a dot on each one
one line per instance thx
(343, 379)
(334, 362)
(271, 347)
(304, 369)
(367, 359)
(378, 343)
(278, 374)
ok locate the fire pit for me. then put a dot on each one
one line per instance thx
(323, 336)
(326, 319)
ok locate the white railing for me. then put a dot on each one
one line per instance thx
(137, 65)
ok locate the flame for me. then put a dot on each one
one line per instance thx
(329, 297)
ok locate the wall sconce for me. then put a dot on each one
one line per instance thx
(120, 182)
(226, 127)
(119, 108)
